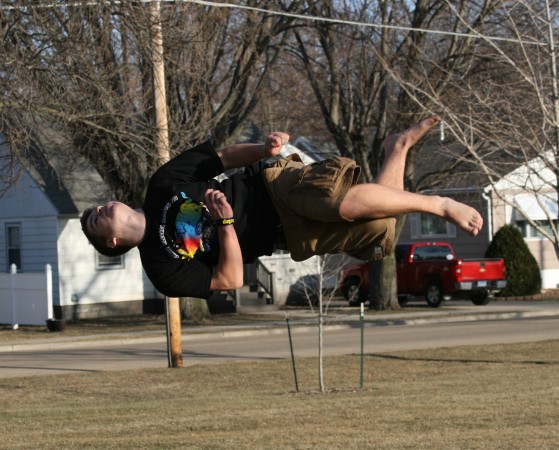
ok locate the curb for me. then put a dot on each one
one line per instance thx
(260, 330)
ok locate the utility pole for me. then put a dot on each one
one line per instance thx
(174, 344)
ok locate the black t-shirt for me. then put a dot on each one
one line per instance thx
(180, 247)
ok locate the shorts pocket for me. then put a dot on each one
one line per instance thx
(329, 176)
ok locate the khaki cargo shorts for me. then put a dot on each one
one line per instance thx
(307, 199)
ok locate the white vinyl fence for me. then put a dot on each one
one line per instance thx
(26, 298)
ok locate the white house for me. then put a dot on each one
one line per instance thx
(528, 196)
(39, 216)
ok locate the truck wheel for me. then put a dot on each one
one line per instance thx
(352, 291)
(481, 298)
(434, 294)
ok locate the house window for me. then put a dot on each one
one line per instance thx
(529, 231)
(110, 262)
(427, 226)
(13, 245)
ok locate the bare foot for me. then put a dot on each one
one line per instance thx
(407, 138)
(462, 216)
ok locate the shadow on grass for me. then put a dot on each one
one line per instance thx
(458, 360)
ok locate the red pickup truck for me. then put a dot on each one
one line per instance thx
(431, 269)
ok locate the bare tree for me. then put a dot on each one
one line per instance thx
(84, 70)
(318, 285)
(504, 105)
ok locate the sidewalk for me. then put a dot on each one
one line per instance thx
(299, 319)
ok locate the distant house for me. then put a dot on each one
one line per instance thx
(39, 216)
(527, 194)
(521, 203)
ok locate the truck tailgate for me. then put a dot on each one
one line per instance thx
(486, 269)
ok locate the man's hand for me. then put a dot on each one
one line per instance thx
(274, 142)
(217, 204)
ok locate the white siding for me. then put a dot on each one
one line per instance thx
(25, 204)
(550, 278)
(38, 240)
(82, 283)
(542, 249)
(38, 246)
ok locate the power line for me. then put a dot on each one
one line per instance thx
(287, 14)
(353, 23)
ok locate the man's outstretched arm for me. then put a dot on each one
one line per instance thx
(242, 155)
(228, 273)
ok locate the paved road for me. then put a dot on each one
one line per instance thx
(265, 344)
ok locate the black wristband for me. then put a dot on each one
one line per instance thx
(223, 222)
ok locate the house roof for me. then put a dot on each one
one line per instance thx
(534, 175)
(69, 182)
(531, 188)
(439, 166)
(444, 166)
(289, 149)
(316, 147)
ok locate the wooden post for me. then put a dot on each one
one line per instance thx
(174, 332)
(162, 143)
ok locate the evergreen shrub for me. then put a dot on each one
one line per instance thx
(523, 272)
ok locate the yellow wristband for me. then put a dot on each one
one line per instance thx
(223, 222)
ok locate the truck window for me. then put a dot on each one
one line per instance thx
(432, 253)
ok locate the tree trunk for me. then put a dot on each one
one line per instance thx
(383, 291)
(195, 309)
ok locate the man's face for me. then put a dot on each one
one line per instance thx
(107, 220)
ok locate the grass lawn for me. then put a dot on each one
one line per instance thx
(487, 397)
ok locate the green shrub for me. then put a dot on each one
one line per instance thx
(523, 272)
